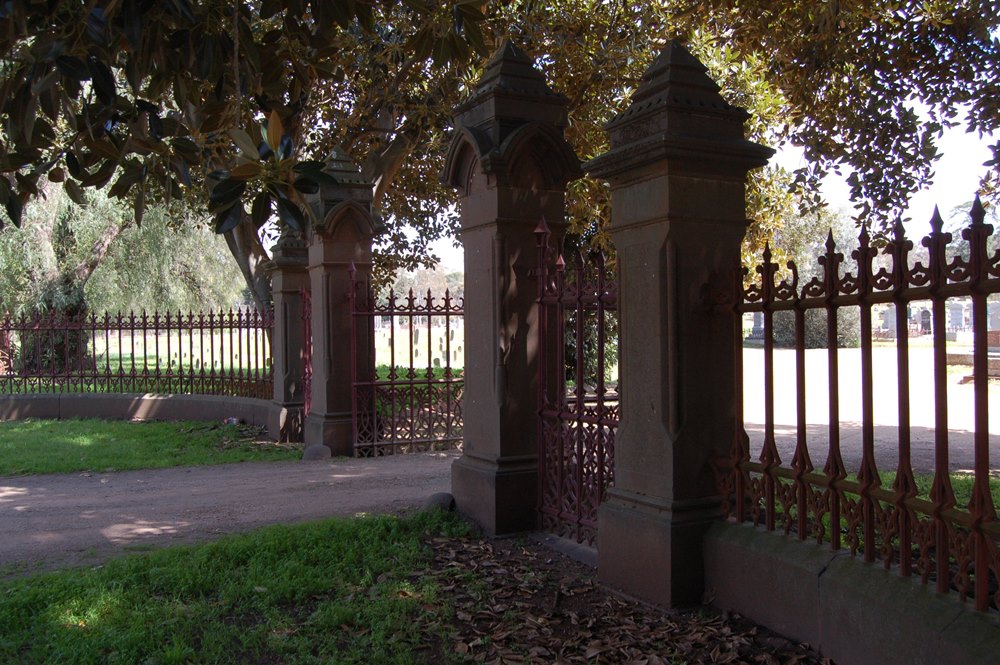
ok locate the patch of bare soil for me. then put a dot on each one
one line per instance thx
(521, 602)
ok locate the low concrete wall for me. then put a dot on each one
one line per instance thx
(136, 407)
(850, 611)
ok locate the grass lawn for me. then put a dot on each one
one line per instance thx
(420, 589)
(338, 591)
(66, 446)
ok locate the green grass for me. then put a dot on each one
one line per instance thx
(338, 591)
(66, 446)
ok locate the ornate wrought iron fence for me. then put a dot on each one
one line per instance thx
(217, 353)
(408, 379)
(578, 397)
(930, 535)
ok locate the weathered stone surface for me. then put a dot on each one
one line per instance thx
(340, 245)
(510, 163)
(677, 168)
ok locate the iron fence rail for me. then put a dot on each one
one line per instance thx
(957, 547)
(214, 353)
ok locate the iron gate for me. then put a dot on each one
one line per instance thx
(578, 390)
(407, 376)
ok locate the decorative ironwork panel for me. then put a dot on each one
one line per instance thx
(408, 378)
(913, 525)
(214, 353)
(578, 390)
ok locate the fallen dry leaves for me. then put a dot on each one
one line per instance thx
(520, 602)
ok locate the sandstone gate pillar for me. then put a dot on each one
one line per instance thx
(340, 239)
(677, 167)
(288, 264)
(510, 164)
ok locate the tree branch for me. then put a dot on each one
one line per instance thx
(83, 270)
(381, 168)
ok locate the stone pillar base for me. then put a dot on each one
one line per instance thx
(284, 423)
(653, 550)
(499, 496)
(331, 430)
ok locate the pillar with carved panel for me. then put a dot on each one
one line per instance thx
(677, 168)
(510, 164)
(340, 252)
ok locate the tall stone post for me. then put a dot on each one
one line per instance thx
(677, 167)
(288, 264)
(341, 240)
(510, 164)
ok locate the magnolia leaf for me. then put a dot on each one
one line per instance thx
(260, 211)
(306, 185)
(103, 80)
(75, 192)
(57, 175)
(73, 165)
(290, 214)
(228, 218)
(243, 141)
(105, 149)
(226, 192)
(275, 130)
(101, 176)
(245, 171)
(13, 207)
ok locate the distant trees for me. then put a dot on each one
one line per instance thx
(77, 259)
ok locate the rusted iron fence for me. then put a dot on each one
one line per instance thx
(408, 377)
(881, 515)
(578, 392)
(214, 353)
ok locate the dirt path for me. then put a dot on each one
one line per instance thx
(61, 520)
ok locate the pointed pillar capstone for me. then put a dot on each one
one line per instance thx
(289, 277)
(340, 240)
(510, 164)
(677, 168)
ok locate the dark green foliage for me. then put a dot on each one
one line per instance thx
(816, 333)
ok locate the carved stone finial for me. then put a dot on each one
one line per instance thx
(511, 69)
(677, 109)
(677, 74)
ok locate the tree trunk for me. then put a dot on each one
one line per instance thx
(250, 255)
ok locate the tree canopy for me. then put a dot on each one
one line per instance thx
(233, 104)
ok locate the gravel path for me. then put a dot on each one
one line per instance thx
(58, 520)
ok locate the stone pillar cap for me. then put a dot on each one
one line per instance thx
(510, 70)
(678, 113)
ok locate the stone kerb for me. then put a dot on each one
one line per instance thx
(510, 165)
(677, 169)
(339, 241)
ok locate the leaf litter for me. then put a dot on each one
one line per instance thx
(520, 602)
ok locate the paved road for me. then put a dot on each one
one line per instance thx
(52, 521)
(960, 411)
